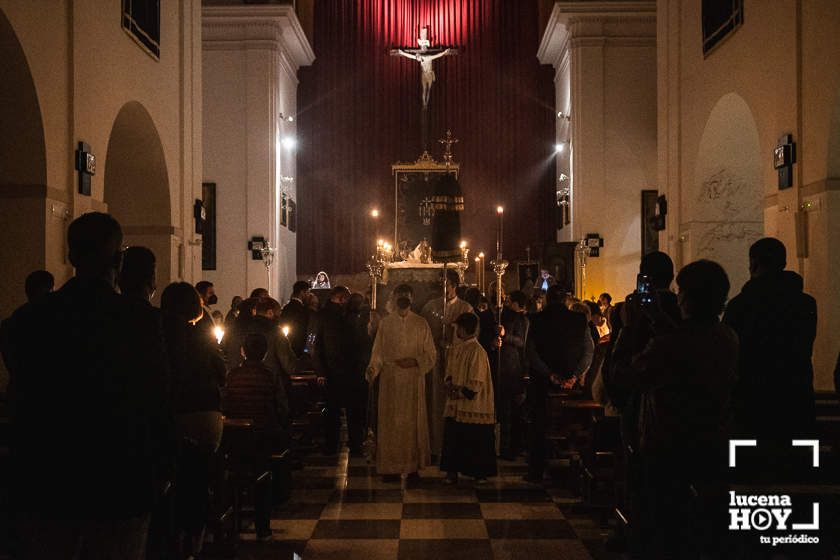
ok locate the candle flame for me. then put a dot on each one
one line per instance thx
(374, 213)
(481, 255)
(463, 244)
(285, 330)
(219, 333)
(499, 209)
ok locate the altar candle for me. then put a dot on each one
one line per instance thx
(501, 212)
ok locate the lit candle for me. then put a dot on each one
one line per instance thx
(285, 330)
(501, 212)
(481, 272)
(219, 333)
(477, 273)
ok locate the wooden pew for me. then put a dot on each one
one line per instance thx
(569, 432)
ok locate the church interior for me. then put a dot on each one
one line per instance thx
(376, 161)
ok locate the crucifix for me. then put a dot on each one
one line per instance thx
(447, 151)
(425, 54)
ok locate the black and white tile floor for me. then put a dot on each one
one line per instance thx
(341, 509)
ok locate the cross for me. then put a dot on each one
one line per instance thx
(425, 55)
(448, 141)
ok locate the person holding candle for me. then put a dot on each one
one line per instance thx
(295, 314)
(198, 374)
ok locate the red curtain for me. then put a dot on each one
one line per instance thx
(360, 111)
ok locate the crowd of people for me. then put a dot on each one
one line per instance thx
(129, 398)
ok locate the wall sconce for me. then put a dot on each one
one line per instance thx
(257, 245)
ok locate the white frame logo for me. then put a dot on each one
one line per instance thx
(771, 512)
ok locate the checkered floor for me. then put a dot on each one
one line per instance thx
(341, 509)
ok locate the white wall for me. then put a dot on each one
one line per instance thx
(609, 82)
(85, 69)
(251, 58)
(776, 74)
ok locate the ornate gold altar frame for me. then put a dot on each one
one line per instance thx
(425, 164)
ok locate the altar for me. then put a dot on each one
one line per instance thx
(424, 278)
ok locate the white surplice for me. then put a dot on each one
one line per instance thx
(402, 425)
(435, 391)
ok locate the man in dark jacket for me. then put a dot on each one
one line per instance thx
(511, 384)
(684, 377)
(776, 324)
(37, 286)
(635, 323)
(295, 314)
(89, 377)
(556, 350)
(335, 359)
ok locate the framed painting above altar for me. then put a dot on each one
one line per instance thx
(413, 190)
(527, 273)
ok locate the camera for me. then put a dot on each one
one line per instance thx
(644, 288)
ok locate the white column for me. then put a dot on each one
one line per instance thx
(251, 57)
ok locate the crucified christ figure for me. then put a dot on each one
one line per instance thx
(427, 72)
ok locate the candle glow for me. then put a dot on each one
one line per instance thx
(219, 333)
(285, 330)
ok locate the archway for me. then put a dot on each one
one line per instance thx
(137, 186)
(23, 171)
(725, 205)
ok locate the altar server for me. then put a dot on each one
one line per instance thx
(469, 433)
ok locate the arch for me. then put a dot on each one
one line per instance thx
(23, 156)
(725, 205)
(137, 186)
(23, 170)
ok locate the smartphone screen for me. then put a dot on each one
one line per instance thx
(643, 284)
(644, 288)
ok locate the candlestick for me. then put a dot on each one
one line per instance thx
(481, 272)
(499, 237)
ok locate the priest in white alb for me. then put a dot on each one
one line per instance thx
(403, 353)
